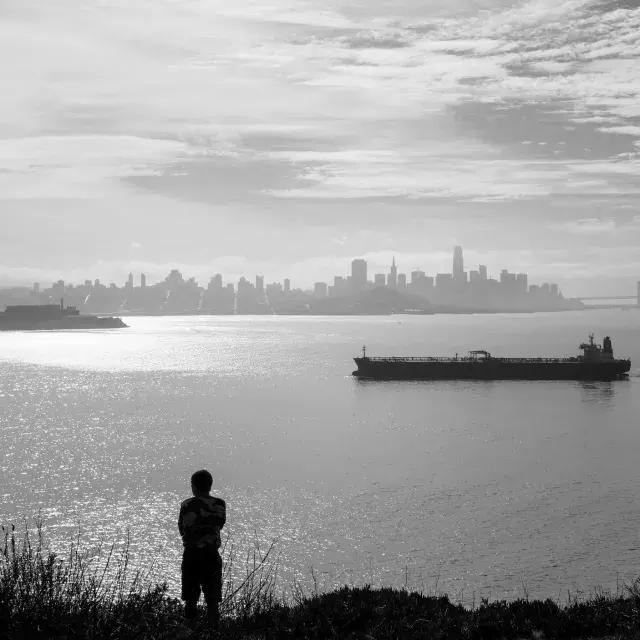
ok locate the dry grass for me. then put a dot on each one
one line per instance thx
(43, 595)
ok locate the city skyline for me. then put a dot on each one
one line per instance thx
(360, 273)
(358, 291)
(285, 141)
(376, 265)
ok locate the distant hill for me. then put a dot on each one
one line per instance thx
(379, 301)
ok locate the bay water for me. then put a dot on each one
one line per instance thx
(494, 489)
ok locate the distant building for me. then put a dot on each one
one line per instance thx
(444, 280)
(474, 277)
(143, 280)
(416, 276)
(174, 279)
(339, 287)
(358, 273)
(260, 285)
(554, 290)
(522, 281)
(482, 270)
(458, 265)
(392, 279)
(421, 284)
(402, 281)
(36, 287)
(274, 290)
(320, 290)
(379, 280)
(507, 278)
(287, 285)
(130, 281)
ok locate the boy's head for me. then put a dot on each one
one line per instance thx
(201, 482)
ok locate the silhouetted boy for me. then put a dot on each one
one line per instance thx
(199, 523)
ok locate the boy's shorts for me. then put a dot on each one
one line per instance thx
(201, 569)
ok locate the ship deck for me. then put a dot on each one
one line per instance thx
(402, 359)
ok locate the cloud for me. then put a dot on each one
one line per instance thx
(78, 166)
(587, 226)
(377, 40)
(626, 130)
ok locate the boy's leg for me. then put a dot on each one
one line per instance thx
(190, 583)
(211, 577)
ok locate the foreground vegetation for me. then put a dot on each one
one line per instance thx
(46, 596)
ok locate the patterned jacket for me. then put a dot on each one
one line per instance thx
(200, 521)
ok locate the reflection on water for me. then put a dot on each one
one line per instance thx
(600, 392)
(485, 483)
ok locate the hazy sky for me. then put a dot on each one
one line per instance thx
(285, 137)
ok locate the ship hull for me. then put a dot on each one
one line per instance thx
(490, 369)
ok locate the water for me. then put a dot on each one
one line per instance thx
(480, 489)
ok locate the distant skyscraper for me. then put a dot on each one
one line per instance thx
(260, 285)
(392, 278)
(522, 281)
(36, 287)
(416, 276)
(320, 289)
(458, 265)
(287, 285)
(482, 269)
(130, 281)
(379, 280)
(359, 273)
(402, 281)
(143, 280)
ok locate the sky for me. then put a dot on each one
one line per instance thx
(286, 137)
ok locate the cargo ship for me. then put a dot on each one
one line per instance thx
(43, 317)
(595, 363)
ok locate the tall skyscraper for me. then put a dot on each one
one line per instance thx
(130, 281)
(458, 264)
(143, 280)
(359, 273)
(287, 285)
(260, 285)
(482, 270)
(392, 278)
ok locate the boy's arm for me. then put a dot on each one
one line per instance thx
(181, 521)
(222, 513)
